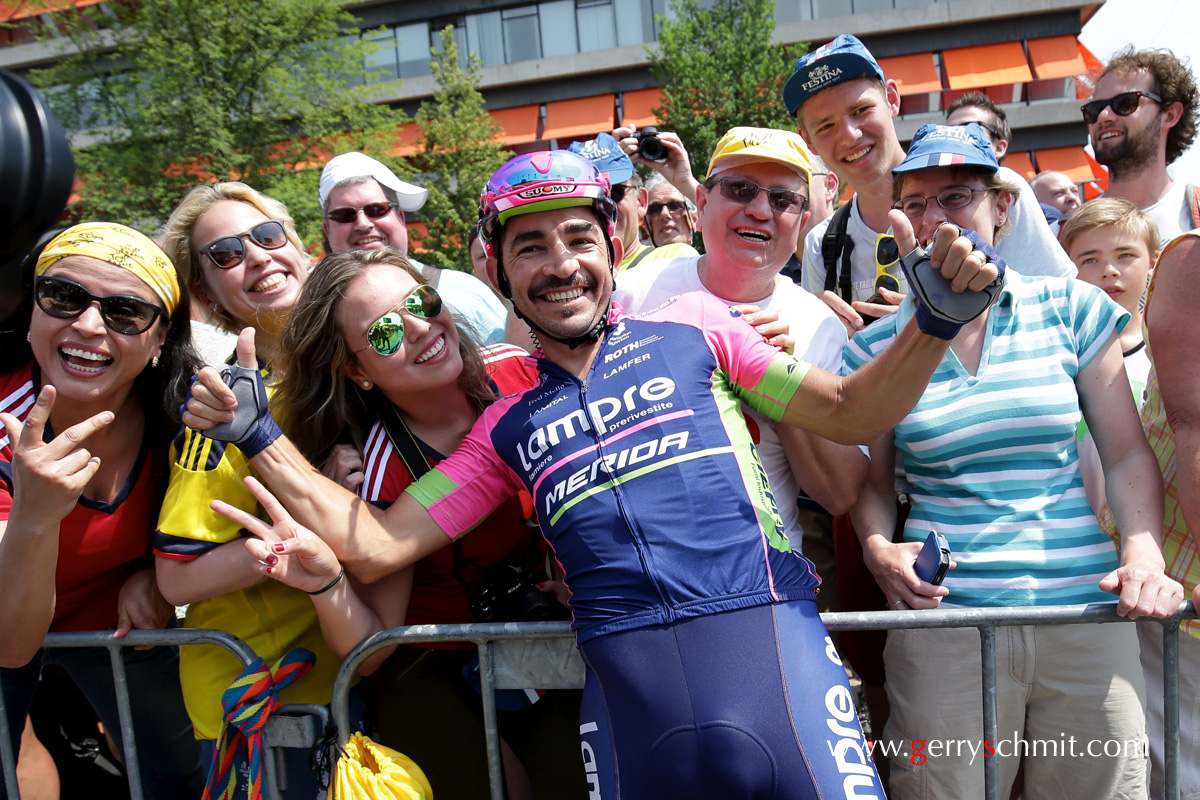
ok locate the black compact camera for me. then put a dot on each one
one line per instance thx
(649, 145)
(510, 594)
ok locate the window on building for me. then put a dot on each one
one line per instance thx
(559, 36)
(380, 63)
(485, 36)
(597, 28)
(521, 39)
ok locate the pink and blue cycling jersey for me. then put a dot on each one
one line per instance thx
(644, 477)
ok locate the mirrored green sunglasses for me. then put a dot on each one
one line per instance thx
(387, 333)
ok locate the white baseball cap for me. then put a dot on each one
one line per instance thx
(360, 165)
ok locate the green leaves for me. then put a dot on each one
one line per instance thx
(718, 69)
(163, 94)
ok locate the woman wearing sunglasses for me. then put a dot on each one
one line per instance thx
(241, 259)
(90, 389)
(990, 451)
(373, 357)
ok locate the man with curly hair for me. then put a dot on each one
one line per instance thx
(1141, 118)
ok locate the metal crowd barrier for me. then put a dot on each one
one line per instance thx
(290, 725)
(491, 637)
(293, 726)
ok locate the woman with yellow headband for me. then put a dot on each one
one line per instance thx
(88, 406)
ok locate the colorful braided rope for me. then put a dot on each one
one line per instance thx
(248, 703)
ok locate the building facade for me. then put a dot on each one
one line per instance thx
(561, 70)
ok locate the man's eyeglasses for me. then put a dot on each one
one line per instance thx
(673, 206)
(346, 214)
(66, 299)
(1122, 104)
(229, 251)
(617, 193)
(386, 333)
(949, 199)
(742, 191)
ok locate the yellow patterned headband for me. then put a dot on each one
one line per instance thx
(120, 246)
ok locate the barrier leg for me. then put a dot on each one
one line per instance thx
(991, 767)
(487, 686)
(1171, 708)
(8, 759)
(121, 686)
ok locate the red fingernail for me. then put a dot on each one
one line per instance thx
(277, 547)
(270, 570)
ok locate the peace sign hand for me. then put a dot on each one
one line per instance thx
(48, 477)
(285, 550)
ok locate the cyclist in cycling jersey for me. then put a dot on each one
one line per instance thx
(709, 671)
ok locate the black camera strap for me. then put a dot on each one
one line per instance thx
(408, 447)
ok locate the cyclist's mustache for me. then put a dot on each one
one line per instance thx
(556, 284)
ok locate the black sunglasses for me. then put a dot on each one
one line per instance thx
(66, 299)
(617, 193)
(674, 206)
(742, 191)
(1122, 104)
(229, 251)
(348, 214)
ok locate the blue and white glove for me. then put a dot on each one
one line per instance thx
(252, 427)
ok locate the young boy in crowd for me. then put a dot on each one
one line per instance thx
(1114, 246)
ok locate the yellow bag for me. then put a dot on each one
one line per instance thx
(370, 771)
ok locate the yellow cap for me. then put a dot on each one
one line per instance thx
(743, 145)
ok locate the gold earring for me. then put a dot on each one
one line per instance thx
(154, 362)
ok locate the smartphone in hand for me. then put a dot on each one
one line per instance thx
(934, 559)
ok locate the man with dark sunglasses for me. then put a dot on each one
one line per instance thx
(1142, 116)
(363, 205)
(670, 217)
(845, 109)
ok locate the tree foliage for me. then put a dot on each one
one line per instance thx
(163, 94)
(718, 69)
(459, 152)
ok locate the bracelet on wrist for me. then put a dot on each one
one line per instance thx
(331, 584)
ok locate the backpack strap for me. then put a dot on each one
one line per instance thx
(836, 243)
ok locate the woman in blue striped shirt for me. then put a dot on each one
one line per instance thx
(990, 452)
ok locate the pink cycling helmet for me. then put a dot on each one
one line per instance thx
(542, 181)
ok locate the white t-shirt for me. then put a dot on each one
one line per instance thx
(820, 340)
(1171, 214)
(1028, 248)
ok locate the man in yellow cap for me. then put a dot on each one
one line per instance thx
(748, 236)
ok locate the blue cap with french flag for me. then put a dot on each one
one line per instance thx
(949, 146)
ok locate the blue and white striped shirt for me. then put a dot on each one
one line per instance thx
(992, 456)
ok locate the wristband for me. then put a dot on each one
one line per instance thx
(329, 585)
